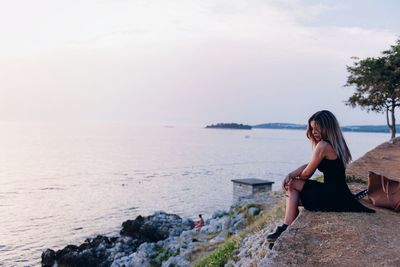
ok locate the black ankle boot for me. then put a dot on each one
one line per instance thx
(271, 238)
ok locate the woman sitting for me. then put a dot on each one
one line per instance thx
(330, 156)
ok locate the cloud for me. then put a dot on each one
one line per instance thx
(178, 60)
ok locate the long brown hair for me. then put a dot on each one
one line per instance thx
(331, 132)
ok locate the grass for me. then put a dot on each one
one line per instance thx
(227, 249)
(245, 211)
(319, 178)
(163, 253)
(264, 220)
(354, 179)
(349, 179)
(221, 255)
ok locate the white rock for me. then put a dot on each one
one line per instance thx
(218, 214)
(176, 261)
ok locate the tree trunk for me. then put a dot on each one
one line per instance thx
(393, 122)
(387, 118)
(388, 122)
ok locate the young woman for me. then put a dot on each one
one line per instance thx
(330, 155)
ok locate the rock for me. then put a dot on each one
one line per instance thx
(90, 253)
(238, 223)
(161, 239)
(48, 258)
(99, 240)
(187, 222)
(103, 251)
(121, 262)
(144, 232)
(139, 258)
(227, 223)
(187, 236)
(384, 159)
(72, 258)
(147, 249)
(218, 214)
(266, 199)
(237, 218)
(253, 249)
(339, 239)
(176, 261)
(213, 227)
(155, 227)
(253, 211)
(220, 237)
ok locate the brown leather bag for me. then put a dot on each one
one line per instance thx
(383, 192)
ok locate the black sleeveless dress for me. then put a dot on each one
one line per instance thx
(333, 194)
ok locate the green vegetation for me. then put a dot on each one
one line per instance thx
(281, 125)
(348, 128)
(319, 178)
(377, 84)
(226, 250)
(354, 179)
(349, 179)
(163, 254)
(245, 211)
(276, 213)
(229, 126)
(220, 256)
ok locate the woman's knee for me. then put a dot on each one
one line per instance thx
(296, 185)
(292, 188)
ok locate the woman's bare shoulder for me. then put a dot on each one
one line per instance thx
(322, 145)
(326, 149)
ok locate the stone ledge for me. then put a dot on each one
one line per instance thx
(339, 239)
(383, 159)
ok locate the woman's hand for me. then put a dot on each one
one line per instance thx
(286, 181)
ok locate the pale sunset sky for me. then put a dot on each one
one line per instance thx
(186, 62)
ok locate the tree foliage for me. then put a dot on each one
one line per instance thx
(377, 84)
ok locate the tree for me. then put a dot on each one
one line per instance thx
(377, 84)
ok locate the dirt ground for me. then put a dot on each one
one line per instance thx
(346, 239)
(384, 159)
(340, 239)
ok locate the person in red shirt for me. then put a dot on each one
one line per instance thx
(199, 223)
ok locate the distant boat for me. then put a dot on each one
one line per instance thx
(169, 126)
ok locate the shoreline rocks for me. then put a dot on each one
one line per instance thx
(161, 239)
(103, 250)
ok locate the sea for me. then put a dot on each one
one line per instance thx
(62, 183)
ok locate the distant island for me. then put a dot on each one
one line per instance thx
(303, 127)
(281, 125)
(353, 128)
(229, 126)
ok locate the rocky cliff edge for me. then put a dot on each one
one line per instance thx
(346, 239)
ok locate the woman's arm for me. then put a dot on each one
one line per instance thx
(292, 175)
(307, 170)
(297, 171)
(318, 154)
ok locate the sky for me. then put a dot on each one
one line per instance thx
(181, 62)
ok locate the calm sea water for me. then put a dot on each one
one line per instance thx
(60, 184)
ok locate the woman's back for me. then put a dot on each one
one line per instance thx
(334, 172)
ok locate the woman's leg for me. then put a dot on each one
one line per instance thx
(292, 202)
